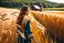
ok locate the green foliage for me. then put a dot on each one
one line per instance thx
(19, 3)
(54, 4)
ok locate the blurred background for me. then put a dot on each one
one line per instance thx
(47, 4)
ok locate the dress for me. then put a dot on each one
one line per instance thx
(27, 34)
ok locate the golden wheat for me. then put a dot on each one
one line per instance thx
(53, 22)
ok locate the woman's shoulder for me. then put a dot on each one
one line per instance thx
(27, 21)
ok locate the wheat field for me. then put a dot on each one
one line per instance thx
(41, 24)
(52, 21)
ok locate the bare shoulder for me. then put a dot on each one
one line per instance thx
(26, 17)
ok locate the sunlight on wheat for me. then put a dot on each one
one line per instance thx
(41, 24)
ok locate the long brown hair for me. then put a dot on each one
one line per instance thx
(21, 14)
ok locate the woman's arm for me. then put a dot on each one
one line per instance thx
(31, 37)
(19, 32)
(35, 41)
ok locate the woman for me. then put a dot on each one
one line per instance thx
(25, 34)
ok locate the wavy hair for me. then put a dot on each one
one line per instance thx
(21, 14)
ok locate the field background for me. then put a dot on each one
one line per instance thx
(8, 27)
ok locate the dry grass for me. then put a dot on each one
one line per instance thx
(50, 20)
(53, 22)
(7, 30)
